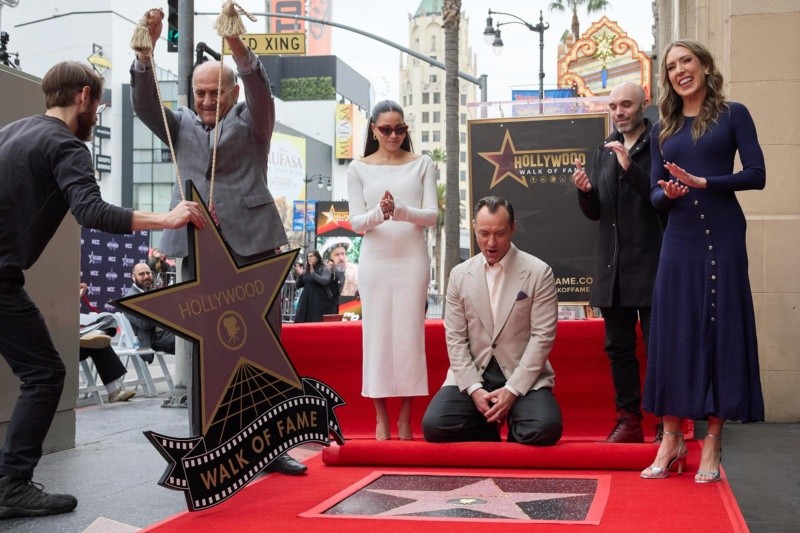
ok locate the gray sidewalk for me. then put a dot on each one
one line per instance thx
(113, 472)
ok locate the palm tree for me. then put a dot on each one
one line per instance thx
(591, 7)
(451, 18)
(439, 156)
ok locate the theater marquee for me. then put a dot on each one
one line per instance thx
(530, 161)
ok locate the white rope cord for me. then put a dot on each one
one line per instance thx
(216, 128)
(178, 179)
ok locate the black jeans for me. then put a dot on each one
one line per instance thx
(27, 347)
(620, 326)
(534, 419)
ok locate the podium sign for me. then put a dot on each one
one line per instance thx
(530, 161)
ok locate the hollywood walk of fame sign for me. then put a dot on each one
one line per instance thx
(530, 161)
(251, 404)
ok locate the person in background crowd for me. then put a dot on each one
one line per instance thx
(500, 324)
(45, 171)
(96, 345)
(148, 333)
(314, 280)
(702, 360)
(392, 194)
(346, 272)
(615, 191)
(161, 269)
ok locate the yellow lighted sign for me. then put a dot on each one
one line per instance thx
(265, 44)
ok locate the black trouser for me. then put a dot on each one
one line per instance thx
(107, 362)
(620, 326)
(535, 418)
(27, 347)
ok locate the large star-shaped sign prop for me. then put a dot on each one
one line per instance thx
(224, 310)
(252, 404)
(503, 162)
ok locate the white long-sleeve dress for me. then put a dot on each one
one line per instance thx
(393, 272)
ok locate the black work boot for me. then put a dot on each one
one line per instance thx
(628, 428)
(23, 497)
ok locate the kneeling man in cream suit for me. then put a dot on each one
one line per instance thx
(500, 321)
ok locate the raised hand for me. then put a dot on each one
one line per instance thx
(690, 180)
(184, 213)
(580, 178)
(387, 205)
(673, 189)
(623, 156)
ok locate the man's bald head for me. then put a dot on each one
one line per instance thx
(626, 103)
(631, 90)
(142, 276)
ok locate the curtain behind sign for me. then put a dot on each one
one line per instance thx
(529, 161)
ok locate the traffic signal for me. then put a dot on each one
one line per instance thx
(172, 26)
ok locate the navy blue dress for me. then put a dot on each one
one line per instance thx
(702, 356)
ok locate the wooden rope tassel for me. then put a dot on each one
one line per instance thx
(140, 40)
(229, 23)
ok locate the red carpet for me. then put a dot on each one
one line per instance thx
(275, 502)
(331, 352)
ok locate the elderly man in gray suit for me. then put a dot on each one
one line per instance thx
(500, 322)
(243, 206)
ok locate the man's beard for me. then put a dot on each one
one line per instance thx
(85, 124)
(142, 286)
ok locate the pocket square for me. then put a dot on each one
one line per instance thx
(521, 296)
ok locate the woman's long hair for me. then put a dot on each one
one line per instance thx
(371, 144)
(670, 104)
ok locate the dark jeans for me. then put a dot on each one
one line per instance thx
(107, 362)
(26, 346)
(620, 325)
(534, 419)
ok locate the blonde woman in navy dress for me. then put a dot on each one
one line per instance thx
(392, 195)
(702, 359)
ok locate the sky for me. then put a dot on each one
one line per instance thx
(516, 68)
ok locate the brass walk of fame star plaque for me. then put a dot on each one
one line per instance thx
(499, 498)
(251, 404)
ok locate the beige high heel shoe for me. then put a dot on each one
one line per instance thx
(710, 476)
(657, 472)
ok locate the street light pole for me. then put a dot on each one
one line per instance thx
(320, 183)
(492, 36)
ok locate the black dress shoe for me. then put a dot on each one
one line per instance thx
(286, 465)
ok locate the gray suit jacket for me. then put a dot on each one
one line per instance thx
(521, 337)
(248, 217)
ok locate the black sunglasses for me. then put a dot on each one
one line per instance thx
(400, 129)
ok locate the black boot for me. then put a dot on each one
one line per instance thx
(628, 428)
(23, 497)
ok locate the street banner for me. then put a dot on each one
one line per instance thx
(530, 161)
(333, 228)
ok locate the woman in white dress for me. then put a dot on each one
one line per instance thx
(392, 196)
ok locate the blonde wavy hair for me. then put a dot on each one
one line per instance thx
(670, 104)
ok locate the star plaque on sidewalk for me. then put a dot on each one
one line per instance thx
(251, 404)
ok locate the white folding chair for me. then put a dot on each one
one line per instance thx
(125, 346)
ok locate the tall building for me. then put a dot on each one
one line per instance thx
(422, 93)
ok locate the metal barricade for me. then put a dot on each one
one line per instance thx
(435, 305)
(288, 300)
